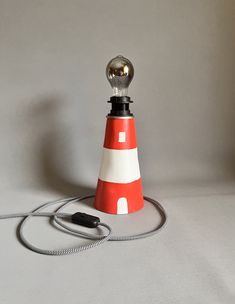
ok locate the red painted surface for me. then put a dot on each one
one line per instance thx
(113, 127)
(107, 195)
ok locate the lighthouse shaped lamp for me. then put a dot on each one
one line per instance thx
(119, 187)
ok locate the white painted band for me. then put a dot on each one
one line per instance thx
(119, 166)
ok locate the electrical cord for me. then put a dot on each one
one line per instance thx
(81, 219)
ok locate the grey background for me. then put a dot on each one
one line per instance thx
(53, 94)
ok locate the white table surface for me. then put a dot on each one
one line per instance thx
(191, 261)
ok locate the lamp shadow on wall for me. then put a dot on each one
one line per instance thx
(53, 146)
(223, 117)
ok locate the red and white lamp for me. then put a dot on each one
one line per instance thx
(119, 187)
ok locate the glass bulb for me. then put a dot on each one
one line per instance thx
(120, 73)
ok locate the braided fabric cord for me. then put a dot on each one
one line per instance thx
(57, 215)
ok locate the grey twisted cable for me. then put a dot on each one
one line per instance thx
(98, 239)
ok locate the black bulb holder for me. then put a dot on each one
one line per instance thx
(120, 106)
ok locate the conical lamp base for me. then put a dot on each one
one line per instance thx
(119, 187)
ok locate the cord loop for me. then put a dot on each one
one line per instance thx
(98, 239)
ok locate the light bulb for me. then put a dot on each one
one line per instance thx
(120, 73)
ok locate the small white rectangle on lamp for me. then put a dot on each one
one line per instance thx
(122, 137)
(122, 206)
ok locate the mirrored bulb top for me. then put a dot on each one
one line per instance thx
(120, 73)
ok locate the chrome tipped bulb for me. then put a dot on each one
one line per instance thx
(120, 73)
